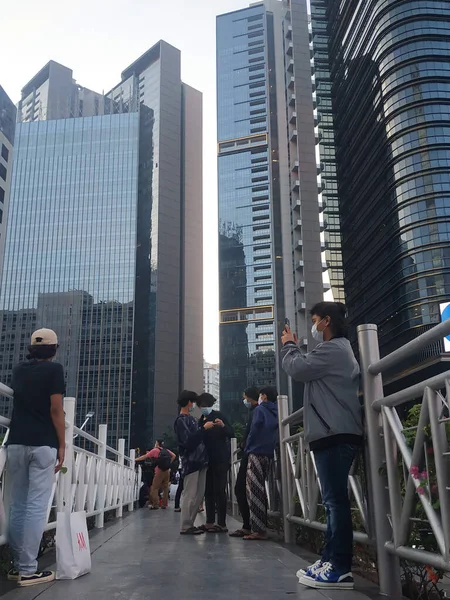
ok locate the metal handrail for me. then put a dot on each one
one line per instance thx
(294, 419)
(435, 334)
(412, 392)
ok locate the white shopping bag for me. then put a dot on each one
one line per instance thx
(73, 553)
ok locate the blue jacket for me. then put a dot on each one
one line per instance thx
(193, 454)
(263, 436)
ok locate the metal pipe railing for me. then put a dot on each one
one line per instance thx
(412, 392)
(435, 334)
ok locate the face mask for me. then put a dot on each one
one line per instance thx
(317, 335)
(247, 404)
(260, 401)
(192, 408)
(206, 411)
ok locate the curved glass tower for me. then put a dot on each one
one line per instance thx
(390, 72)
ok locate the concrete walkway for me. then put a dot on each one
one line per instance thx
(142, 557)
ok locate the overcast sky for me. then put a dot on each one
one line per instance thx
(98, 39)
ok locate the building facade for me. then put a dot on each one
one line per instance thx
(390, 82)
(270, 265)
(105, 246)
(211, 381)
(54, 94)
(326, 147)
(7, 129)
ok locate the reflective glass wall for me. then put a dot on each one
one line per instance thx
(246, 251)
(70, 257)
(391, 80)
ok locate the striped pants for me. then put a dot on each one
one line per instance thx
(257, 472)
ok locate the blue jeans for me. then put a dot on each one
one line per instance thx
(31, 470)
(333, 467)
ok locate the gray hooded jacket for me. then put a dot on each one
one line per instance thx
(331, 377)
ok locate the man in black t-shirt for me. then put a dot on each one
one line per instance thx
(36, 449)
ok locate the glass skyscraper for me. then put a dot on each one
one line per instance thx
(70, 257)
(270, 263)
(104, 246)
(390, 79)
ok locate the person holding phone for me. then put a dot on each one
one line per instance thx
(217, 442)
(333, 428)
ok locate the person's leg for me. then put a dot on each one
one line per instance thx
(154, 491)
(188, 500)
(17, 467)
(165, 487)
(210, 499)
(220, 493)
(333, 467)
(200, 492)
(178, 494)
(41, 478)
(256, 493)
(240, 489)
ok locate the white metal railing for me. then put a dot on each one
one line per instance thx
(89, 480)
(388, 463)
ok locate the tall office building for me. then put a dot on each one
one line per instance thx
(7, 128)
(390, 82)
(326, 148)
(104, 245)
(270, 262)
(54, 94)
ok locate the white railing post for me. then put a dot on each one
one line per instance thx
(64, 500)
(101, 491)
(134, 484)
(121, 449)
(388, 566)
(286, 487)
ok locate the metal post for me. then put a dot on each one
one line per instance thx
(286, 487)
(65, 478)
(101, 490)
(135, 483)
(234, 450)
(388, 565)
(121, 461)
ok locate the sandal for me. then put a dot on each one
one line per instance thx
(240, 533)
(260, 537)
(214, 529)
(192, 531)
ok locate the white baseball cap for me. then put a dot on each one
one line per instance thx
(44, 337)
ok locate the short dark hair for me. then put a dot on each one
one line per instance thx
(160, 441)
(206, 400)
(252, 392)
(270, 392)
(42, 352)
(338, 317)
(185, 397)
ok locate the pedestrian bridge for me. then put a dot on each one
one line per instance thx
(143, 556)
(400, 491)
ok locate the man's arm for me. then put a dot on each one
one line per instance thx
(188, 437)
(59, 423)
(172, 455)
(57, 391)
(143, 457)
(304, 367)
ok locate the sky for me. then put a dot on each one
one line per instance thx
(98, 39)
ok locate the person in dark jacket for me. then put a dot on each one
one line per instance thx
(251, 397)
(260, 448)
(194, 461)
(333, 429)
(218, 448)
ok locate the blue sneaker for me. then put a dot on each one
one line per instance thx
(329, 578)
(312, 570)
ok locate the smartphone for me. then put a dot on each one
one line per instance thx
(287, 323)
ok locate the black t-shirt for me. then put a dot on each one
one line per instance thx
(33, 382)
